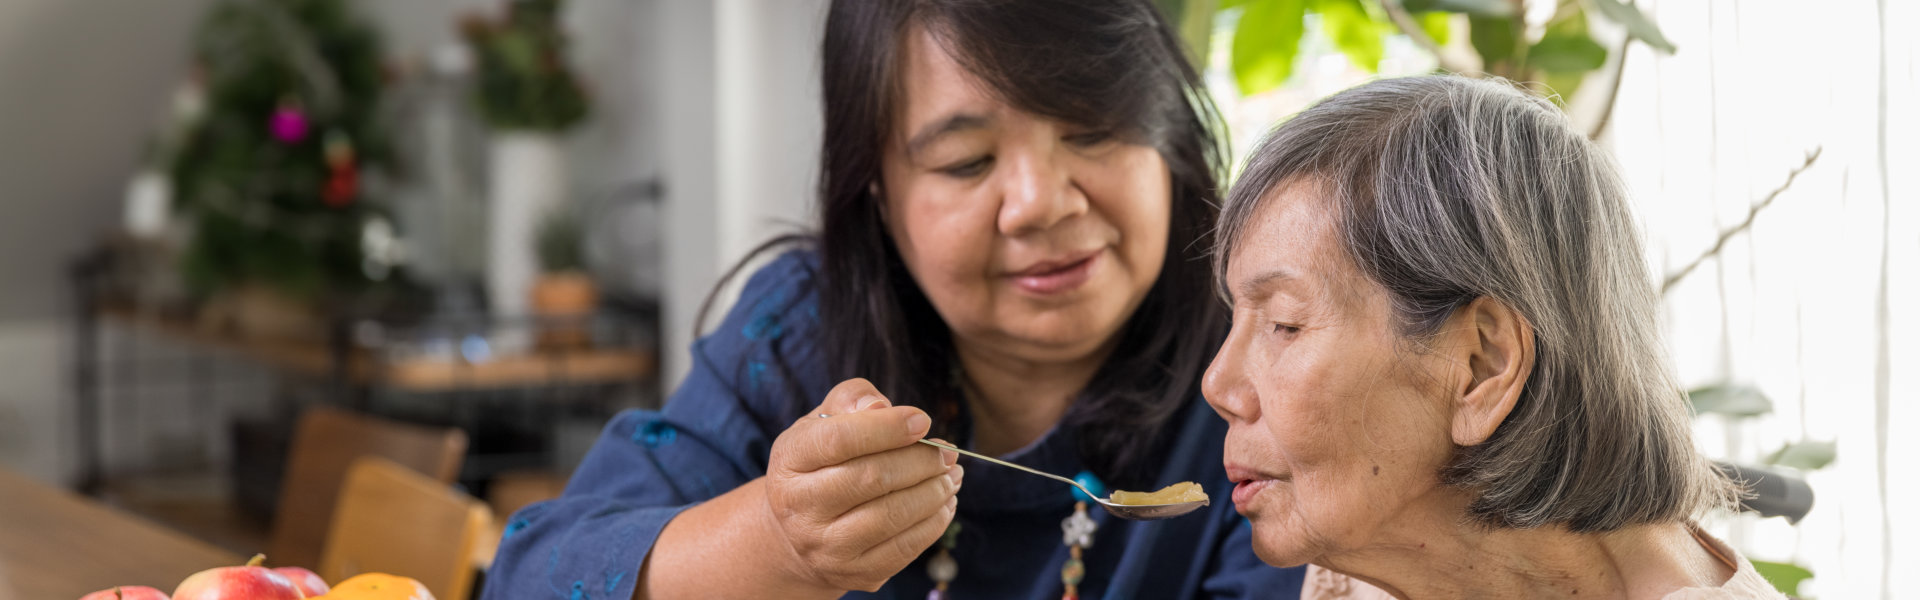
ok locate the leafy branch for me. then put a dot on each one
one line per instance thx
(1613, 94)
(1559, 53)
(1404, 21)
(1744, 224)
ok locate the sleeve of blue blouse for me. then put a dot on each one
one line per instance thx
(1238, 573)
(713, 435)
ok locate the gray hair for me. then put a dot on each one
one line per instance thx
(1447, 189)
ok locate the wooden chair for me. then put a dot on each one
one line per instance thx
(325, 443)
(393, 520)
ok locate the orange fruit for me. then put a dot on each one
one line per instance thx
(377, 586)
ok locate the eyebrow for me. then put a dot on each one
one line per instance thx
(1259, 283)
(951, 124)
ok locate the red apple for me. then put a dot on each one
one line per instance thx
(251, 582)
(309, 583)
(127, 592)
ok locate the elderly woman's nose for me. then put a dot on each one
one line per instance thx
(1225, 384)
(1038, 192)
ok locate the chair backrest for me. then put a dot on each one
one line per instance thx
(325, 444)
(393, 520)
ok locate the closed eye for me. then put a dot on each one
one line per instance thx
(1089, 139)
(1286, 330)
(968, 169)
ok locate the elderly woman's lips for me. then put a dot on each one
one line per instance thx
(1249, 482)
(1244, 491)
(1052, 279)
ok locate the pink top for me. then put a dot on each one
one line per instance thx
(1746, 583)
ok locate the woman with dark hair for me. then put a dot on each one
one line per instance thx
(1016, 201)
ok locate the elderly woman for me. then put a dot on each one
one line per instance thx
(1444, 378)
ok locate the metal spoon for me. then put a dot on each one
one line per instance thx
(1136, 512)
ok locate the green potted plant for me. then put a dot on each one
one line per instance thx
(564, 296)
(528, 97)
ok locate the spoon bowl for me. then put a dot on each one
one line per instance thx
(1134, 512)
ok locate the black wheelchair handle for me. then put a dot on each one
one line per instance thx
(1773, 494)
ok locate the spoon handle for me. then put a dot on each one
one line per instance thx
(1008, 464)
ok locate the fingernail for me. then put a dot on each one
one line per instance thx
(955, 473)
(918, 423)
(876, 403)
(947, 457)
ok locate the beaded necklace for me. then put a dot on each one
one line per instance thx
(1076, 533)
(1076, 530)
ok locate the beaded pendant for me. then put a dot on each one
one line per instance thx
(1077, 533)
(943, 568)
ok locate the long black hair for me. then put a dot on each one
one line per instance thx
(1110, 65)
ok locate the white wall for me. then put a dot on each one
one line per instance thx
(35, 418)
(686, 52)
(81, 84)
(739, 145)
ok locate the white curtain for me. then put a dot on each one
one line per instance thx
(1815, 305)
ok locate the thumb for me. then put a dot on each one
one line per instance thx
(852, 395)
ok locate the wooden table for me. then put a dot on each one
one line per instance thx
(57, 545)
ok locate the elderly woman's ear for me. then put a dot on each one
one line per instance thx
(1495, 344)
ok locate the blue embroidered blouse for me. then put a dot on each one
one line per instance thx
(758, 373)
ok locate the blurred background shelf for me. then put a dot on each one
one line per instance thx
(363, 366)
(186, 418)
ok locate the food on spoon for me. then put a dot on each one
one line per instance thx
(1185, 491)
